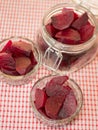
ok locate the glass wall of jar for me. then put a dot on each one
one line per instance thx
(65, 58)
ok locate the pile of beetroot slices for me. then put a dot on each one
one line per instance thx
(70, 28)
(17, 58)
(56, 100)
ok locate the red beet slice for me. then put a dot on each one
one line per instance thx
(76, 16)
(53, 105)
(57, 90)
(42, 111)
(33, 60)
(54, 87)
(21, 47)
(7, 47)
(10, 71)
(64, 10)
(81, 21)
(63, 20)
(69, 106)
(23, 65)
(59, 80)
(40, 98)
(50, 29)
(66, 89)
(86, 32)
(7, 61)
(68, 36)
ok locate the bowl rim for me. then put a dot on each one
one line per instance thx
(36, 51)
(53, 122)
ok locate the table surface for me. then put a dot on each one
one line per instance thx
(23, 18)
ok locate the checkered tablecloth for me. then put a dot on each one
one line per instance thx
(23, 18)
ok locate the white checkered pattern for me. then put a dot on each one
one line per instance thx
(23, 18)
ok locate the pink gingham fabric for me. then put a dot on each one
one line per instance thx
(23, 18)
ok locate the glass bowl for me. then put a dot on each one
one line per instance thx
(56, 122)
(26, 78)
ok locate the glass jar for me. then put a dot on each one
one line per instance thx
(26, 78)
(40, 84)
(92, 5)
(64, 58)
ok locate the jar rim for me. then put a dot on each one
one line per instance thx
(65, 47)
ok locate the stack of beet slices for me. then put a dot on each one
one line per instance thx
(56, 100)
(17, 58)
(70, 28)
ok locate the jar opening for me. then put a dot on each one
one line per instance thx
(65, 47)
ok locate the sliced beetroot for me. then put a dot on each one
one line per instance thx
(17, 58)
(7, 61)
(68, 36)
(23, 65)
(59, 80)
(9, 71)
(66, 89)
(76, 16)
(81, 21)
(19, 48)
(40, 98)
(54, 86)
(61, 90)
(64, 10)
(53, 105)
(54, 89)
(50, 29)
(7, 47)
(42, 111)
(57, 90)
(69, 106)
(33, 60)
(63, 20)
(16, 54)
(63, 65)
(86, 32)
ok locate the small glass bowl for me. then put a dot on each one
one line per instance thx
(59, 122)
(21, 79)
